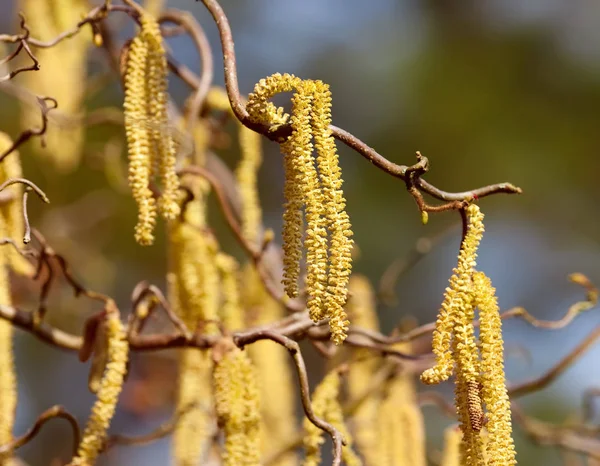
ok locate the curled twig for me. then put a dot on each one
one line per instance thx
(162, 431)
(242, 340)
(54, 412)
(29, 133)
(23, 45)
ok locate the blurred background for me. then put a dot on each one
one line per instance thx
(488, 90)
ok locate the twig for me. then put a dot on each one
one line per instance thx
(29, 133)
(162, 431)
(23, 45)
(54, 412)
(27, 233)
(29, 184)
(144, 289)
(573, 311)
(282, 132)
(191, 26)
(242, 340)
(46, 333)
(552, 374)
(563, 437)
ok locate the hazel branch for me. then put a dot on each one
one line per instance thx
(49, 414)
(281, 133)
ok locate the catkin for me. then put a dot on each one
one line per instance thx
(480, 389)
(230, 315)
(452, 442)
(13, 225)
(500, 446)
(237, 402)
(193, 281)
(62, 75)
(326, 406)
(401, 428)
(246, 174)
(318, 193)
(276, 382)
(8, 382)
(363, 365)
(108, 393)
(151, 148)
(247, 170)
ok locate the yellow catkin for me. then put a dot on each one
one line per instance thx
(363, 365)
(193, 282)
(265, 112)
(298, 150)
(500, 446)
(62, 75)
(457, 302)
(237, 403)
(327, 236)
(193, 269)
(108, 393)
(156, 102)
(401, 428)
(230, 315)
(479, 369)
(452, 442)
(193, 434)
(338, 221)
(246, 174)
(8, 381)
(326, 406)
(12, 211)
(275, 379)
(151, 148)
(138, 140)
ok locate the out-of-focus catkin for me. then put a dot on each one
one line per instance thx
(237, 402)
(363, 365)
(194, 431)
(326, 405)
(150, 144)
(401, 428)
(8, 381)
(452, 442)
(276, 382)
(231, 313)
(11, 213)
(327, 236)
(62, 75)
(247, 178)
(108, 392)
(193, 290)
